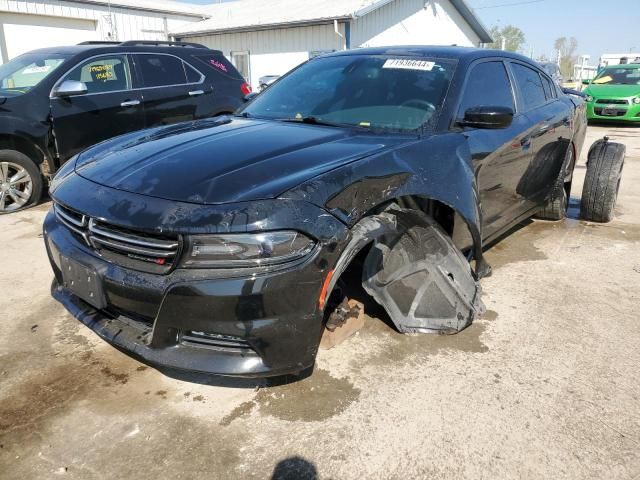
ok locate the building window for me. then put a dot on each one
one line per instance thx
(240, 60)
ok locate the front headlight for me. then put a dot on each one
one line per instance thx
(636, 100)
(589, 98)
(246, 249)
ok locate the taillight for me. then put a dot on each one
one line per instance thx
(246, 88)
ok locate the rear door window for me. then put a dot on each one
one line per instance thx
(161, 70)
(549, 89)
(110, 73)
(193, 75)
(532, 91)
(487, 85)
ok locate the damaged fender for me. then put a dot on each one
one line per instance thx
(436, 168)
(414, 269)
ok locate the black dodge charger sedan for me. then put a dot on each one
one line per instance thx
(215, 245)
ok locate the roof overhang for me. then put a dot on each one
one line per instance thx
(460, 5)
(472, 19)
(266, 26)
(144, 8)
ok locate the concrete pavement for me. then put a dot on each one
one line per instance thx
(545, 385)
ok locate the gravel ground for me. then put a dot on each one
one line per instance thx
(545, 385)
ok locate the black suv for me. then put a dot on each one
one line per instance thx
(55, 102)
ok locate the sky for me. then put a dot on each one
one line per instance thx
(600, 26)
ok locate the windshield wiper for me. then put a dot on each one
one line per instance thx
(311, 120)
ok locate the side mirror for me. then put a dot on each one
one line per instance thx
(70, 88)
(586, 82)
(570, 91)
(250, 96)
(488, 117)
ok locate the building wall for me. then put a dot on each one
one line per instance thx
(275, 51)
(413, 22)
(29, 24)
(402, 22)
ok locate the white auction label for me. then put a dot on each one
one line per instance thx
(409, 64)
(43, 69)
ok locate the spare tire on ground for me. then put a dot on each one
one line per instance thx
(602, 181)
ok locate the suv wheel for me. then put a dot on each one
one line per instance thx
(20, 181)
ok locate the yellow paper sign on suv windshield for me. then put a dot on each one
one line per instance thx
(606, 79)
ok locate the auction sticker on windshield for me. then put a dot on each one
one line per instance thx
(407, 64)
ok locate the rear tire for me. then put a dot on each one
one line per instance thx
(20, 182)
(556, 207)
(602, 181)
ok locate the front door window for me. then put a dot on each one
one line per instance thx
(105, 74)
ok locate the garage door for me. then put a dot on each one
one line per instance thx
(23, 33)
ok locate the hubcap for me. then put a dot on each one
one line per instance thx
(16, 186)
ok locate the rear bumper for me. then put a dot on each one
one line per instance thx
(624, 113)
(256, 325)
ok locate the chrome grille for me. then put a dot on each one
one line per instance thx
(106, 238)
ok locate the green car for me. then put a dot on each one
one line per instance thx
(615, 94)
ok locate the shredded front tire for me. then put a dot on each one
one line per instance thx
(602, 181)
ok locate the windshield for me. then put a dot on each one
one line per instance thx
(26, 71)
(618, 76)
(398, 93)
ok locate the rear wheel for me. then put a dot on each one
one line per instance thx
(556, 207)
(20, 181)
(602, 181)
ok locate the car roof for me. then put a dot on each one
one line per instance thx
(99, 48)
(449, 52)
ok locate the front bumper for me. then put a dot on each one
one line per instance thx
(617, 113)
(234, 323)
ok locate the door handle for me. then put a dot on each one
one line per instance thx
(130, 103)
(195, 93)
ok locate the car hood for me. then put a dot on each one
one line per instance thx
(613, 91)
(225, 159)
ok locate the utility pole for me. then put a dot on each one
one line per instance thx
(504, 44)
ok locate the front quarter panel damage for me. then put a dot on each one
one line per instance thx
(413, 269)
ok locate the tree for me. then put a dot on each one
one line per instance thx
(513, 37)
(568, 58)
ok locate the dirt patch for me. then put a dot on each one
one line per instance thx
(121, 378)
(313, 399)
(490, 316)
(518, 248)
(400, 348)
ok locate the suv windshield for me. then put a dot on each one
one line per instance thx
(618, 76)
(387, 92)
(26, 71)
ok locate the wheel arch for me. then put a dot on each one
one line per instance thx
(375, 224)
(445, 278)
(22, 145)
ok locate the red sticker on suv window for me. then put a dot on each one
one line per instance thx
(218, 65)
